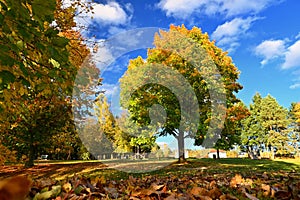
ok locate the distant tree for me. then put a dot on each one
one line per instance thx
(253, 133)
(231, 134)
(267, 127)
(295, 127)
(276, 122)
(94, 139)
(132, 138)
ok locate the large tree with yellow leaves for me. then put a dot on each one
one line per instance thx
(205, 67)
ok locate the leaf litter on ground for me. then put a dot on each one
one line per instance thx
(192, 184)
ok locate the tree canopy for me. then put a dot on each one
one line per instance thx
(190, 77)
(40, 57)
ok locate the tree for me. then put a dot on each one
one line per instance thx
(189, 70)
(294, 135)
(253, 133)
(131, 138)
(106, 120)
(231, 134)
(267, 127)
(37, 74)
(276, 122)
(94, 139)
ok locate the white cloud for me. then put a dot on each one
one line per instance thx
(110, 13)
(110, 89)
(292, 56)
(237, 7)
(270, 49)
(228, 34)
(185, 8)
(297, 36)
(295, 86)
(180, 8)
(103, 56)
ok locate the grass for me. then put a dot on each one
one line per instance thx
(62, 169)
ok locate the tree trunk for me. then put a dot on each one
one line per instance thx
(272, 152)
(218, 153)
(180, 140)
(31, 153)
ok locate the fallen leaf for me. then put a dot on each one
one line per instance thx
(236, 180)
(215, 193)
(16, 188)
(67, 187)
(199, 191)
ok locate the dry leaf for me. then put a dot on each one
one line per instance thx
(228, 197)
(16, 188)
(215, 193)
(199, 191)
(67, 187)
(236, 180)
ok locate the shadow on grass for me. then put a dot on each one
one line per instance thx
(50, 170)
(229, 166)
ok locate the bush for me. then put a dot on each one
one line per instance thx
(231, 154)
(266, 155)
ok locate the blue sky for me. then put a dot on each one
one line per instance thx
(261, 36)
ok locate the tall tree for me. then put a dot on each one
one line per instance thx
(295, 126)
(181, 51)
(253, 133)
(276, 122)
(267, 127)
(37, 74)
(106, 120)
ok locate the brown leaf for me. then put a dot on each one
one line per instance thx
(266, 189)
(215, 193)
(236, 180)
(165, 189)
(171, 197)
(156, 187)
(204, 197)
(228, 197)
(16, 188)
(212, 184)
(199, 191)
(283, 195)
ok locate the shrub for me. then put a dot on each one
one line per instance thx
(231, 154)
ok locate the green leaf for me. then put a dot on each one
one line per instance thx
(44, 10)
(7, 77)
(60, 42)
(20, 44)
(54, 63)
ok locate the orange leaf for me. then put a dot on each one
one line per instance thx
(16, 188)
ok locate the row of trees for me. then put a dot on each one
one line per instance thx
(271, 127)
(107, 134)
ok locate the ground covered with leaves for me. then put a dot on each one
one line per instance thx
(196, 179)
